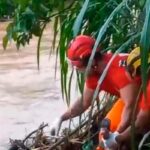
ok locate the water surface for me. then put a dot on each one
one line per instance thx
(28, 96)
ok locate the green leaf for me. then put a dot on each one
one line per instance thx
(145, 46)
(79, 19)
(39, 43)
(5, 41)
(69, 84)
(55, 32)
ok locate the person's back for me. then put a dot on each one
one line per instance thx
(116, 77)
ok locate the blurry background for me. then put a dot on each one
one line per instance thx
(28, 96)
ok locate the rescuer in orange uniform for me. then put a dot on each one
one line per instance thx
(116, 82)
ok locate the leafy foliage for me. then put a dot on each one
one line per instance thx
(6, 8)
(145, 44)
(111, 22)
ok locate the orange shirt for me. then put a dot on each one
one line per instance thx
(116, 77)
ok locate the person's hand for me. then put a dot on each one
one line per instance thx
(111, 143)
(55, 126)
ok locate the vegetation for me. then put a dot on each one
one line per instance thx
(116, 24)
(7, 8)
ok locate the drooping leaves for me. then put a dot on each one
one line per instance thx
(145, 45)
(78, 21)
(111, 22)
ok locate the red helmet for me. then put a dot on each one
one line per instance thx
(79, 48)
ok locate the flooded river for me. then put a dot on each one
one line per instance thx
(28, 97)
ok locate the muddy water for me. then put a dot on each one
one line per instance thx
(28, 97)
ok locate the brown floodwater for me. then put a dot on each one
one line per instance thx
(28, 96)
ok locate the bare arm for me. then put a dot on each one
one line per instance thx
(80, 105)
(141, 126)
(128, 94)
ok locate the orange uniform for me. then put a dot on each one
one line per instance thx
(115, 79)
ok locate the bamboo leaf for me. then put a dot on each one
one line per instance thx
(38, 46)
(55, 32)
(65, 70)
(80, 79)
(78, 21)
(145, 46)
(5, 41)
(62, 83)
(69, 87)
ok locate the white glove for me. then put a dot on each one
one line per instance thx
(111, 142)
(55, 126)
